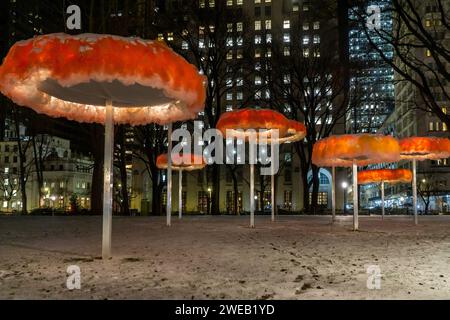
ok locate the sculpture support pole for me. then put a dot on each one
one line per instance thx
(272, 181)
(382, 200)
(180, 194)
(108, 180)
(252, 195)
(355, 196)
(414, 190)
(169, 176)
(333, 193)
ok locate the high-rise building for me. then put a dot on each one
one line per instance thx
(256, 34)
(369, 71)
(411, 118)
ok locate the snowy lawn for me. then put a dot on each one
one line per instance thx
(204, 257)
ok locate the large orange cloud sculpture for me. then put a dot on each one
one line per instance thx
(422, 148)
(61, 75)
(185, 162)
(261, 119)
(385, 175)
(364, 149)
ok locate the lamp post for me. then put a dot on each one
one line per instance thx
(344, 186)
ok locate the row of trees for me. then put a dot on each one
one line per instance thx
(310, 86)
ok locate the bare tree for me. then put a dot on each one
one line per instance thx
(421, 45)
(214, 41)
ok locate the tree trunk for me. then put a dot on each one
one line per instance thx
(156, 193)
(315, 188)
(304, 176)
(97, 143)
(125, 206)
(38, 166)
(215, 201)
(236, 194)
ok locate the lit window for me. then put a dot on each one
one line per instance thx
(201, 4)
(305, 7)
(428, 23)
(306, 52)
(239, 95)
(286, 38)
(170, 36)
(268, 24)
(295, 7)
(287, 51)
(239, 82)
(229, 42)
(287, 78)
(229, 96)
(431, 126)
(239, 2)
(258, 80)
(229, 27)
(184, 45)
(239, 54)
(229, 82)
(316, 25)
(229, 3)
(257, 25)
(160, 37)
(268, 38)
(239, 26)
(428, 53)
(305, 26)
(258, 39)
(212, 3)
(229, 55)
(305, 40)
(229, 108)
(316, 39)
(286, 24)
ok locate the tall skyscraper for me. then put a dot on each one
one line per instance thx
(368, 70)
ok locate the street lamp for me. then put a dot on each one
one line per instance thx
(344, 186)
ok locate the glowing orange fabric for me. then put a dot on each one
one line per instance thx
(261, 119)
(185, 162)
(364, 149)
(74, 60)
(385, 175)
(422, 148)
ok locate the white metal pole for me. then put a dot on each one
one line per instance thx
(333, 193)
(180, 194)
(252, 195)
(169, 176)
(355, 196)
(414, 190)
(272, 182)
(382, 200)
(108, 180)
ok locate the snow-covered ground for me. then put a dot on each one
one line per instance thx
(220, 257)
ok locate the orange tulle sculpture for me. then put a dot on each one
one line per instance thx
(73, 76)
(363, 149)
(263, 121)
(184, 162)
(385, 175)
(423, 148)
